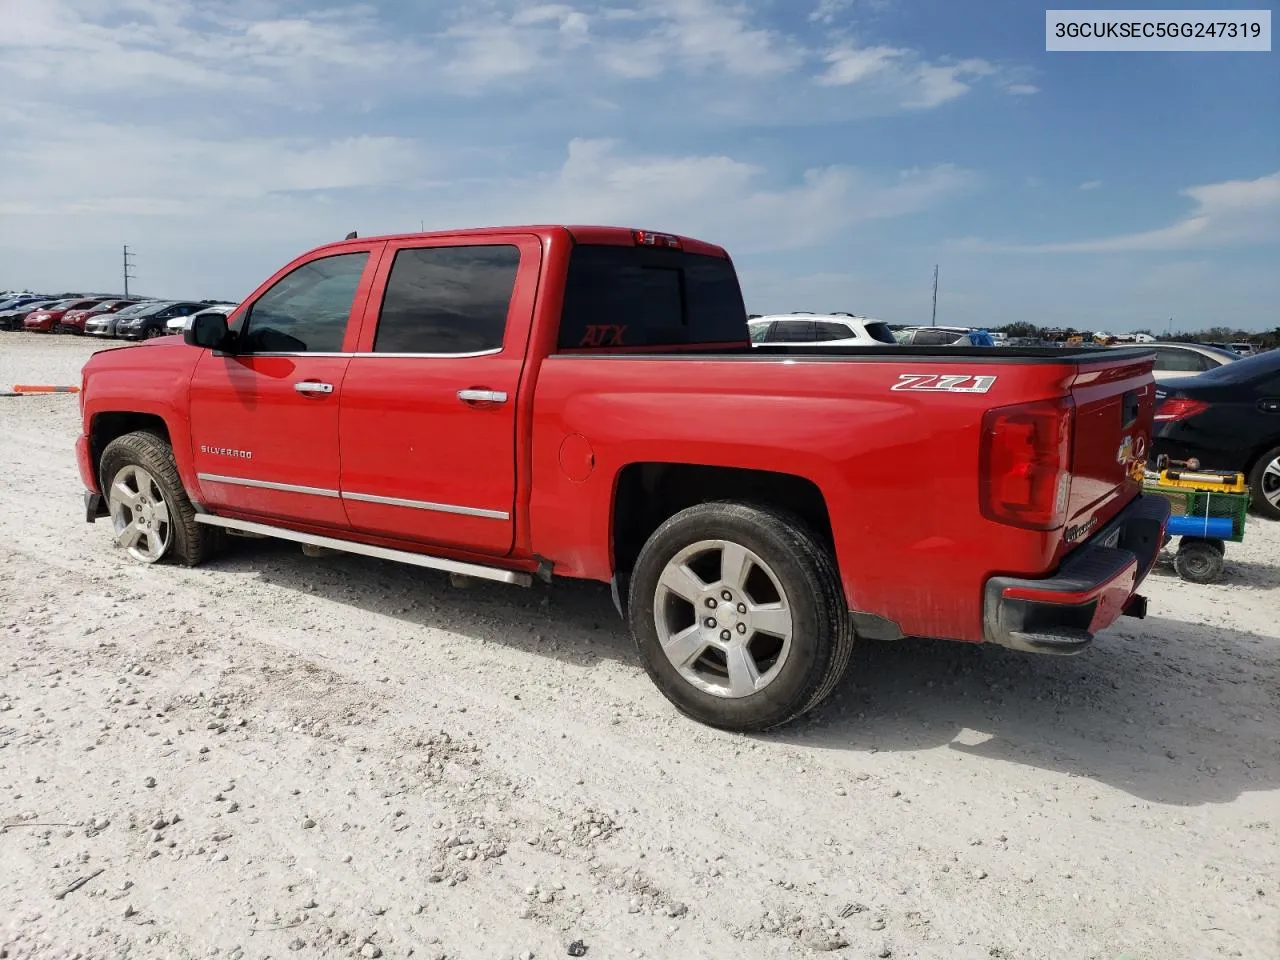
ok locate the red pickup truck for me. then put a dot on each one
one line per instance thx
(530, 402)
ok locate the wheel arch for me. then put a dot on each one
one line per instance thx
(1259, 451)
(109, 425)
(646, 493)
(1256, 459)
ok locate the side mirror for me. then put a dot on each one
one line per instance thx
(206, 330)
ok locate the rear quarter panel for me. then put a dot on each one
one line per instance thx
(898, 468)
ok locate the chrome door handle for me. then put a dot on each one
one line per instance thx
(482, 396)
(313, 386)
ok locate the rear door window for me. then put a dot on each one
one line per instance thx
(447, 300)
(793, 331)
(828, 330)
(641, 296)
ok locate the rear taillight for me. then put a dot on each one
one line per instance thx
(1179, 408)
(1025, 462)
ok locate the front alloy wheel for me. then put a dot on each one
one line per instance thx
(139, 514)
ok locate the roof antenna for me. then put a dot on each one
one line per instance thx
(350, 236)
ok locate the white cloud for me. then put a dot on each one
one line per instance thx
(1022, 89)
(1231, 213)
(500, 47)
(829, 11)
(145, 171)
(853, 64)
(708, 33)
(148, 47)
(714, 197)
(912, 82)
(1091, 185)
(272, 53)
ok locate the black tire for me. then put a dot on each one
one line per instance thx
(1262, 486)
(151, 332)
(1217, 544)
(1198, 561)
(822, 632)
(190, 543)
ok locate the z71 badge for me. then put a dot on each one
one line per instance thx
(944, 382)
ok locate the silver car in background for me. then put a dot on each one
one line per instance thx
(104, 324)
(1174, 361)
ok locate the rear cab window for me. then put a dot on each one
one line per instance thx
(621, 296)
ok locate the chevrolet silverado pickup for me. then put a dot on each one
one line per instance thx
(535, 402)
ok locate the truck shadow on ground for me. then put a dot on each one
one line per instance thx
(1170, 712)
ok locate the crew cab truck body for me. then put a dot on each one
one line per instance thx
(585, 402)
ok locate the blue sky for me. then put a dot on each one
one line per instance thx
(837, 149)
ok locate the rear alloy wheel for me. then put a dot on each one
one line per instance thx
(739, 615)
(1264, 485)
(728, 636)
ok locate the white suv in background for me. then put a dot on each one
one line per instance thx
(179, 324)
(830, 329)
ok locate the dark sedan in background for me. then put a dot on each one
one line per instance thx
(1228, 419)
(150, 321)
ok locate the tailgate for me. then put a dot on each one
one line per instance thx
(1115, 406)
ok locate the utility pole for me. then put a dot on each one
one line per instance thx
(128, 263)
(934, 321)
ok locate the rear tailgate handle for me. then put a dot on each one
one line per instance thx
(313, 386)
(1129, 407)
(482, 396)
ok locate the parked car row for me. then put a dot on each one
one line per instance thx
(1173, 360)
(100, 316)
(1227, 418)
(850, 330)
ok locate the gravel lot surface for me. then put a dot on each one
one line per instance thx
(276, 756)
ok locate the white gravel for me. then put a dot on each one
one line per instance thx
(277, 756)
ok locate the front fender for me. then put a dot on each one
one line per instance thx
(124, 389)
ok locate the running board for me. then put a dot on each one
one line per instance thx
(366, 550)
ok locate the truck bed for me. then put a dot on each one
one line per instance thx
(895, 448)
(1063, 355)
